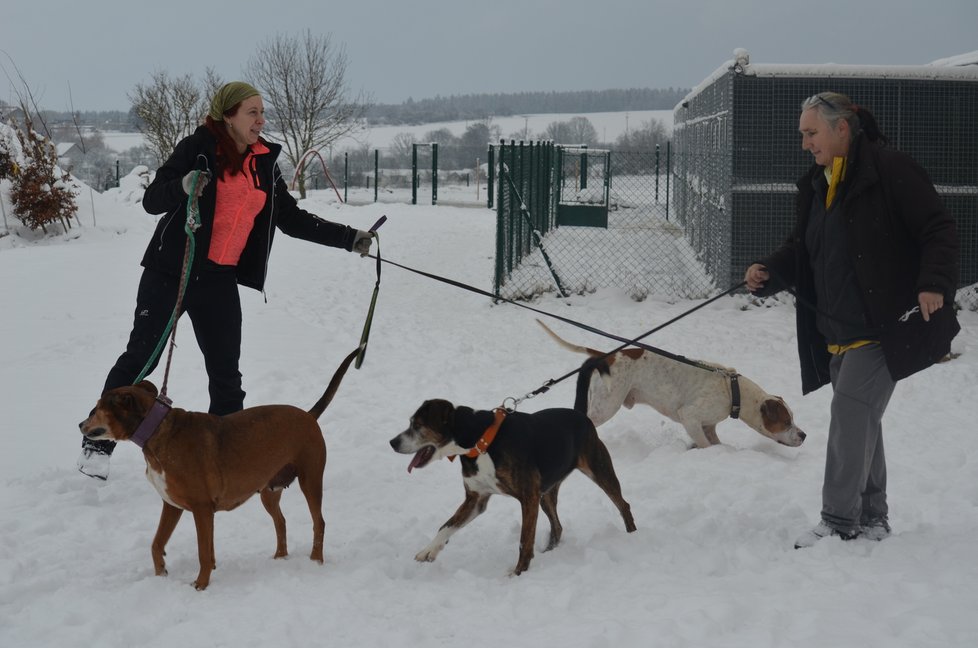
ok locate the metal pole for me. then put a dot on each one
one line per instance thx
(434, 173)
(414, 174)
(346, 174)
(491, 180)
(668, 174)
(376, 172)
(584, 168)
(656, 173)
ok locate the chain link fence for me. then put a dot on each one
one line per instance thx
(571, 220)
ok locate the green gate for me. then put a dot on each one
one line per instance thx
(582, 186)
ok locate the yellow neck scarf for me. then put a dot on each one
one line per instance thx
(834, 177)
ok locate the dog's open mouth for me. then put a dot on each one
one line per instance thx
(93, 433)
(422, 457)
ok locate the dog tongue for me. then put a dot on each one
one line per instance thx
(421, 457)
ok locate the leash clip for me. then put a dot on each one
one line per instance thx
(906, 316)
(515, 401)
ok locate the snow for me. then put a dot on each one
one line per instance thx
(608, 125)
(958, 68)
(711, 564)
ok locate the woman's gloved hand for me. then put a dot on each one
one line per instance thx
(361, 243)
(188, 181)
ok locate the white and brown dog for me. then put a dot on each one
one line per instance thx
(696, 394)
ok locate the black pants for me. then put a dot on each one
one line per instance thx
(214, 306)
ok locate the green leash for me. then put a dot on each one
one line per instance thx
(373, 299)
(192, 225)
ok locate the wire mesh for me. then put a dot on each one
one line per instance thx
(738, 157)
(602, 219)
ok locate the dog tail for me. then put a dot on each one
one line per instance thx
(568, 345)
(584, 381)
(334, 385)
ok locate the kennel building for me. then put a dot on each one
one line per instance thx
(737, 152)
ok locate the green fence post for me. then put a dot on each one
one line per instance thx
(668, 174)
(434, 173)
(521, 190)
(414, 174)
(500, 221)
(490, 182)
(656, 173)
(584, 167)
(530, 196)
(559, 165)
(511, 247)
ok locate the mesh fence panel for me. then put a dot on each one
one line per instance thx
(738, 156)
(602, 220)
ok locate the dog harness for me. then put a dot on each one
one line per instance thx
(146, 429)
(482, 445)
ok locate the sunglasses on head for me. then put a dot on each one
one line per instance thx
(820, 99)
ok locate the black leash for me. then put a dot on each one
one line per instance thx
(626, 342)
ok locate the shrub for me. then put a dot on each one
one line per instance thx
(40, 193)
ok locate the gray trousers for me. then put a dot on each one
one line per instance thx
(854, 490)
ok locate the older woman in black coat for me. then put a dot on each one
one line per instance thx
(873, 260)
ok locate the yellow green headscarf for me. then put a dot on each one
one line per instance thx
(228, 97)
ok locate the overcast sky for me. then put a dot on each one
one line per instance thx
(100, 49)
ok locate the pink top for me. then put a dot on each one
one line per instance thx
(238, 203)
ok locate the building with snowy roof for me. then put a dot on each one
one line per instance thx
(737, 152)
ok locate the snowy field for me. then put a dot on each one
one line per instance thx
(609, 125)
(711, 564)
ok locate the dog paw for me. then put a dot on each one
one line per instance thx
(427, 555)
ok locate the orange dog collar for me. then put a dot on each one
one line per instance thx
(482, 445)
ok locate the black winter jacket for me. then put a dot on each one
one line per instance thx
(900, 241)
(165, 195)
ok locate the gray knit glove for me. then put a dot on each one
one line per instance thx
(361, 242)
(202, 181)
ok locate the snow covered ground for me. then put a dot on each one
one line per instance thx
(711, 564)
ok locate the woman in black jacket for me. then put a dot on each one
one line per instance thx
(242, 198)
(873, 259)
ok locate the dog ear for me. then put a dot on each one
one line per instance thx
(122, 399)
(147, 386)
(774, 412)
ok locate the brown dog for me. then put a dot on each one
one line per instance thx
(204, 463)
(526, 456)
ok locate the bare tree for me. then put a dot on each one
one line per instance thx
(645, 138)
(303, 80)
(576, 130)
(170, 108)
(400, 148)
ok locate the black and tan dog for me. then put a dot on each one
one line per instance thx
(204, 463)
(526, 456)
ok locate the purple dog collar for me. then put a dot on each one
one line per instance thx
(146, 429)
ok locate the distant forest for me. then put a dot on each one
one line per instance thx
(480, 106)
(445, 109)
